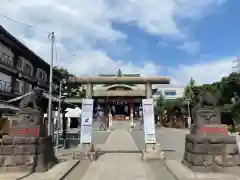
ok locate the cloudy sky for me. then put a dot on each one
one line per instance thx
(176, 38)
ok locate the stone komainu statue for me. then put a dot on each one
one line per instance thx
(30, 105)
(33, 100)
(205, 98)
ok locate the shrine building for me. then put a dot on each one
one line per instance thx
(119, 94)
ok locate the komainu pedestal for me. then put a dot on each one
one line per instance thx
(208, 147)
(211, 154)
(27, 146)
(27, 154)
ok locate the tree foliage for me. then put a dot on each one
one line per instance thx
(58, 75)
(227, 91)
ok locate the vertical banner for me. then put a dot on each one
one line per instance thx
(148, 117)
(86, 121)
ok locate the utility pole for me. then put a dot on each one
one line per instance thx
(59, 113)
(50, 126)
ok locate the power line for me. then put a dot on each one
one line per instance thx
(24, 24)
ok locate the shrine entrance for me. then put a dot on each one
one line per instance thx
(119, 96)
(120, 108)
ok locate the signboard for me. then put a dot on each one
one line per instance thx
(87, 112)
(86, 121)
(148, 117)
(25, 131)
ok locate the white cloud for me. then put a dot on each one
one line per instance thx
(78, 24)
(191, 47)
(207, 72)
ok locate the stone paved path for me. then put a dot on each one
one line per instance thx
(119, 166)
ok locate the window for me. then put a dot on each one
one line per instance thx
(5, 59)
(17, 86)
(40, 75)
(170, 93)
(44, 77)
(28, 69)
(5, 86)
(19, 63)
(26, 87)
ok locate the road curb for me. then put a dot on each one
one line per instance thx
(63, 171)
(68, 170)
(169, 170)
(181, 172)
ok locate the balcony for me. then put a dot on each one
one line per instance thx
(6, 62)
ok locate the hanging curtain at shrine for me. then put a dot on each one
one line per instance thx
(126, 109)
(113, 109)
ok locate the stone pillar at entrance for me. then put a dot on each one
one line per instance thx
(152, 149)
(89, 91)
(148, 90)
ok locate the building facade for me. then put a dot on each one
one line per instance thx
(169, 91)
(20, 68)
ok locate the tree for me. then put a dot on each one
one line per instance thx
(58, 75)
(188, 91)
(160, 104)
(225, 90)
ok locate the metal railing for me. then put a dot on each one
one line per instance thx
(6, 60)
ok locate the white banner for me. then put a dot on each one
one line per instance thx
(148, 117)
(86, 134)
(87, 112)
(86, 121)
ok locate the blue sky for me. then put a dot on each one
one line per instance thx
(176, 38)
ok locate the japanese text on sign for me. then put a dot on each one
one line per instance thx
(86, 121)
(148, 117)
(214, 130)
(25, 131)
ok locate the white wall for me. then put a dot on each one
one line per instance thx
(169, 87)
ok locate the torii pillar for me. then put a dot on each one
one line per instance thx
(152, 150)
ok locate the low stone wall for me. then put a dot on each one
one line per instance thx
(35, 154)
(210, 153)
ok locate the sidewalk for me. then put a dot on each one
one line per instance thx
(58, 172)
(119, 166)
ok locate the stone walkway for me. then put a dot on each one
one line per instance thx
(119, 166)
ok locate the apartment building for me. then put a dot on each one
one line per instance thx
(169, 91)
(20, 68)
